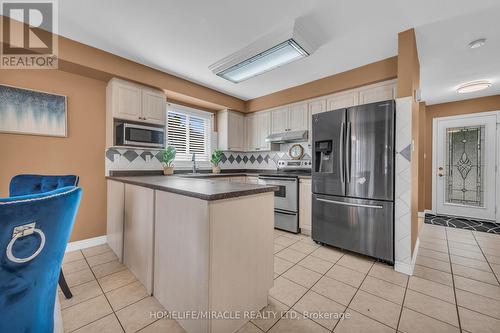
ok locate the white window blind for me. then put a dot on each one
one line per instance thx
(188, 130)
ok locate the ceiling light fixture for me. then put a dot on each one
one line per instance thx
(289, 43)
(475, 44)
(473, 86)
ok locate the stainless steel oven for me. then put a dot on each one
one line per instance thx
(130, 134)
(286, 216)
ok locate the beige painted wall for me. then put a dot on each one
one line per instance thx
(475, 105)
(81, 153)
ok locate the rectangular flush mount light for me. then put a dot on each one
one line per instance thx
(274, 57)
(289, 43)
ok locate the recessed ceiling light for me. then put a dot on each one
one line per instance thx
(473, 86)
(475, 44)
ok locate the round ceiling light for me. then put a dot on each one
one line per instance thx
(475, 44)
(473, 86)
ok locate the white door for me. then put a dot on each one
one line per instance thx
(264, 126)
(128, 101)
(465, 159)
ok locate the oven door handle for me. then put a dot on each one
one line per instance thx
(284, 212)
(280, 178)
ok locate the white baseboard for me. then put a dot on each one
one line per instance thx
(421, 214)
(85, 243)
(429, 211)
(407, 268)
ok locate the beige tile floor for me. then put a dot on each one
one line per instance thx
(455, 287)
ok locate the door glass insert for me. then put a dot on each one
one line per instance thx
(464, 176)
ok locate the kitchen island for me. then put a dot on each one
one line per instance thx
(202, 247)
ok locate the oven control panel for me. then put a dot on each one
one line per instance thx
(295, 164)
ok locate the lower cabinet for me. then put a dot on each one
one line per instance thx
(138, 233)
(305, 200)
(115, 214)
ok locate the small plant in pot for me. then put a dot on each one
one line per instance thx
(167, 159)
(215, 160)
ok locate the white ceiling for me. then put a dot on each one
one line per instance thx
(446, 61)
(185, 37)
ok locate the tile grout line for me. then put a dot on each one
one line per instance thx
(487, 261)
(403, 303)
(454, 288)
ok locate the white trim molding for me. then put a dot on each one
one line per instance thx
(85, 243)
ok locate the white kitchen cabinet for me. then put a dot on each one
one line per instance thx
(342, 100)
(115, 215)
(313, 107)
(153, 106)
(377, 93)
(279, 120)
(129, 101)
(258, 128)
(252, 132)
(231, 130)
(305, 203)
(297, 117)
(292, 118)
(138, 233)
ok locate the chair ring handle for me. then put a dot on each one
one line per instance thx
(11, 256)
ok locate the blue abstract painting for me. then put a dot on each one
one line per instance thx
(27, 111)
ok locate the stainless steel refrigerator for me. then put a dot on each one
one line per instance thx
(353, 179)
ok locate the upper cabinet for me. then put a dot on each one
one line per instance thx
(130, 101)
(231, 130)
(290, 118)
(279, 120)
(377, 93)
(342, 100)
(258, 128)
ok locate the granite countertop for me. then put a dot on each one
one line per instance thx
(201, 188)
(205, 173)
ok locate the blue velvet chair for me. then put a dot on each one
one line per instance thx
(32, 184)
(34, 231)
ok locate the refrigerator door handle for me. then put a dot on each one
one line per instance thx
(341, 203)
(342, 172)
(348, 154)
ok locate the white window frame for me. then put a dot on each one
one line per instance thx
(187, 163)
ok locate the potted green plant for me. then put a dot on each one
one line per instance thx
(215, 160)
(167, 159)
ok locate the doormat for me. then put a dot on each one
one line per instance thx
(463, 223)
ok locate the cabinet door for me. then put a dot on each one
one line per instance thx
(342, 100)
(264, 129)
(297, 117)
(127, 101)
(252, 132)
(313, 107)
(305, 198)
(115, 215)
(236, 131)
(377, 94)
(317, 106)
(138, 233)
(153, 106)
(279, 120)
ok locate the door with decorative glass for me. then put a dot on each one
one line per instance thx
(465, 176)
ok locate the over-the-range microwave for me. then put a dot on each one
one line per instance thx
(130, 134)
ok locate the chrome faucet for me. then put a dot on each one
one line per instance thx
(194, 162)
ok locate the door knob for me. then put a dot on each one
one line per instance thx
(440, 172)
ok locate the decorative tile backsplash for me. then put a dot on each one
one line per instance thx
(149, 159)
